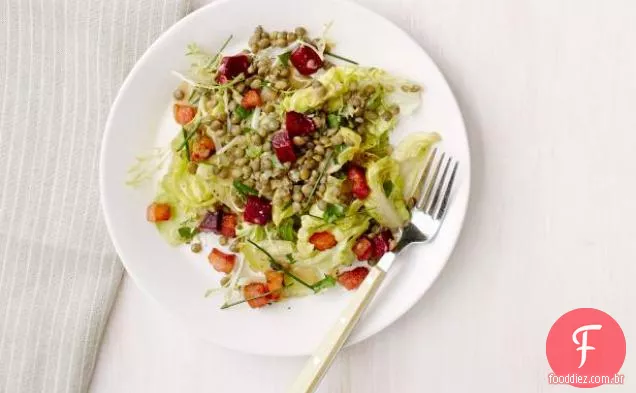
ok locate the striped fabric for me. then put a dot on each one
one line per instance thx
(61, 63)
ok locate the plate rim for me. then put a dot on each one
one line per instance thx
(403, 308)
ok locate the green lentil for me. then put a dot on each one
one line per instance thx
(178, 94)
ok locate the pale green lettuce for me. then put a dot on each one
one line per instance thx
(389, 210)
(411, 154)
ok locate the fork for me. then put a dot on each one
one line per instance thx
(426, 219)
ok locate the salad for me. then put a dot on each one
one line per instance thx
(284, 156)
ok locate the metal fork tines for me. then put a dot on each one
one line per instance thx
(435, 189)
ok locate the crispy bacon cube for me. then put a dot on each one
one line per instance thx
(158, 212)
(254, 294)
(183, 114)
(251, 99)
(222, 262)
(323, 240)
(353, 278)
(363, 248)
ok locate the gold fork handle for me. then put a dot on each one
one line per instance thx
(323, 356)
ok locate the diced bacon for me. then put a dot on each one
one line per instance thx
(222, 262)
(183, 114)
(158, 212)
(323, 240)
(202, 148)
(274, 283)
(228, 225)
(353, 278)
(254, 294)
(251, 99)
(363, 248)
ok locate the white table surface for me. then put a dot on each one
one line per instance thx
(548, 91)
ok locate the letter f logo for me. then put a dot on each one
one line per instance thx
(584, 347)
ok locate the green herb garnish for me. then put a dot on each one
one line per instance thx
(290, 258)
(388, 187)
(375, 100)
(242, 112)
(228, 305)
(341, 58)
(286, 230)
(243, 189)
(326, 282)
(187, 233)
(284, 58)
(187, 145)
(333, 212)
(277, 266)
(187, 138)
(253, 151)
(326, 164)
(333, 120)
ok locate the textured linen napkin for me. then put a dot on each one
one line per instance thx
(61, 63)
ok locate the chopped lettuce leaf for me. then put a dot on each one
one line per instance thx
(280, 212)
(190, 191)
(258, 260)
(390, 211)
(411, 154)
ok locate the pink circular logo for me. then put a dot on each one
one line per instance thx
(585, 348)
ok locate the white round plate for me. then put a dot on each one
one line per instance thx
(140, 119)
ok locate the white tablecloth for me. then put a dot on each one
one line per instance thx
(61, 63)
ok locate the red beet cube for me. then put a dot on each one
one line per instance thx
(282, 145)
(211, 222)
(231, 67)
(359, 188)
(381, 243)
(298, 124)
(305, 59)
(257, 210)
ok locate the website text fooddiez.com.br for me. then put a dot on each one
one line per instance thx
(617, 379)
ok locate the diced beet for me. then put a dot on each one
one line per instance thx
(381, 243)
(257, 210)
(360, 188)
(282, 145)
(231, 67)
(211, 222)
(363, 248)
(298, 124)
(305, 59)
